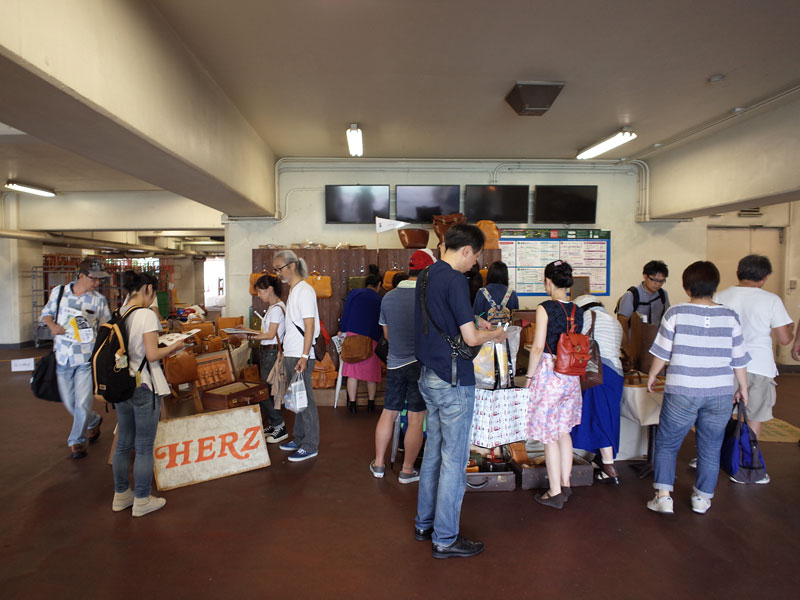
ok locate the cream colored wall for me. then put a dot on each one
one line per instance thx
(302, 183)
(17, 258)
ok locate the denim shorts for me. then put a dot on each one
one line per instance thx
(402, 385)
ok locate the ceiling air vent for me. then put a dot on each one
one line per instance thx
(749, 213)
(533, 98)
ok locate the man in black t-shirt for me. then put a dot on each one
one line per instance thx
(447, 384)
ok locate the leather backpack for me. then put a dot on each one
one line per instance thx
(572, 352)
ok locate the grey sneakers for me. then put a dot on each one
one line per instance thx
(408, 477)
(377, 472)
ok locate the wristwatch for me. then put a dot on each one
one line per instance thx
(304, 356)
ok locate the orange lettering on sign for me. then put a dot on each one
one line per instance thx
(254, 441)
(173, 453)
(226, 442)
(204, 447)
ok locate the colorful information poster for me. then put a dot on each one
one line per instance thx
(528, 251)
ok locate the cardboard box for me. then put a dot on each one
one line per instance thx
(219, 389)
(534, 476)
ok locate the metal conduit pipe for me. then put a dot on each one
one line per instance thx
(78, 242)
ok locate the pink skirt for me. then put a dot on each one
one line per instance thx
(366, 370)
(555, 404)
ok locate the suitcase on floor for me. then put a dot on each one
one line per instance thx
(533, 474)
(504, 481)
(219, 389)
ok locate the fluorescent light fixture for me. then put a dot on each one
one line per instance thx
(29, 189)
(354, 141)
(619, 138)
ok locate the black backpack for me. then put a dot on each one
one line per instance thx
(637, 301)
(112, 379)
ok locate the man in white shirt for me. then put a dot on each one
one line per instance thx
(302, 328)
(763, 317)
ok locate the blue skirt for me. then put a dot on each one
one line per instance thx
(599, 426)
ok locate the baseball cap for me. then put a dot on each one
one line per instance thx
(93, 268)
(421, 259)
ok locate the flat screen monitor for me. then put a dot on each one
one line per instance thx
(356, 203)
(499, 203)
(418, 203)
(565, 204)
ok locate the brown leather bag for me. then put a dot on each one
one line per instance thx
(180, 368)
(206, 328)
(356, 348)
(321, 284)
(490, 233)
(324, 374)
(226, 322)
(441, 223)
(413, 238)
(387, 279)
(253, 278)
(212, 343)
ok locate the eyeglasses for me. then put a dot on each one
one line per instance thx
(658, 281)
(279, 269)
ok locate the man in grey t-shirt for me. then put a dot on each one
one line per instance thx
(402, 375)
(649, 299)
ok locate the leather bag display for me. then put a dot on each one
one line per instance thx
(180, 368)
(572, 352)
(413, 238)
(441, 223)
(324, 374)
(44, 383)
(356, 348)
(490, 233)
(321, 284)
(253, 278)
(387, 279)
(594, 368)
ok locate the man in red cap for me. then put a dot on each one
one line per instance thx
(402, 375)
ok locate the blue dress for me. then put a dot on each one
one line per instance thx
(599, 426)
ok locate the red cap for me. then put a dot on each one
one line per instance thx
(421, 259)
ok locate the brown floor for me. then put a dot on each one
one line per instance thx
(326, 528)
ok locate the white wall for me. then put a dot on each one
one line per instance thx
(301, 190)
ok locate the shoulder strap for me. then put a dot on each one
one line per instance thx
(488, 297)
(570, 317)
(591, 329)
(506, 297)
(58, 302)
(424, 308)
(635, 293)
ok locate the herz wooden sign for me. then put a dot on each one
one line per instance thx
(199, 448)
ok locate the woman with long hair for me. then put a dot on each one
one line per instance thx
(360, 316)
(137, 417)
(555, 398)
(273, 330)
(496, 293)
(302, 328)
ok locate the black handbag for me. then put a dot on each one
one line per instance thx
(44, 383)
(382, 349)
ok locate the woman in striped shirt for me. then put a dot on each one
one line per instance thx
(703, 344)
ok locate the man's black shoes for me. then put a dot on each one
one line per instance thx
(422, 535)
(462, 548)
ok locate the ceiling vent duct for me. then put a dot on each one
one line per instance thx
(533, 98)
(750, 213)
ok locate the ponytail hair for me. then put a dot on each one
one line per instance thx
(289, 257)
(132, 281)
(560, 273)
(374, 278)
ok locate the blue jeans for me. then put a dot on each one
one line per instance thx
(137, 422)
(76, 386)
(709, 415)
(443, 477)
(306, 422)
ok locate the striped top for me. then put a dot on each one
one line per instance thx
(607, 333)
(703, 344)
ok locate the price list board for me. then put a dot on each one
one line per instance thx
(528, 251)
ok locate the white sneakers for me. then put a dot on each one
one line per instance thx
(661, 505)
(142, 506)
(699, 504)
(122, 501)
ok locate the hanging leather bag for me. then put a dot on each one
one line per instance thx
(572, 352)
(413, 238)
(356, 348)
(594, 368)
(490, 233)
(441, 223)
(387, 279)
(321, 284)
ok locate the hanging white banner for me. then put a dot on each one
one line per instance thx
(382, 225)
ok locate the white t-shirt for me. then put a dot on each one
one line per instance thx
(275, 314)
(760, 312)
(139, 323)
(607, 333)
(301, 304)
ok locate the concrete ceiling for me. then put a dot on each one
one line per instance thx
(427, 78)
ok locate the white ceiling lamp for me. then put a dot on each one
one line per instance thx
(354, 141)
(619, 138)
(29, 189)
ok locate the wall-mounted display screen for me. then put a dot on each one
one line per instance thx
(565, 204)
(418, 203)
(499, 203)
(356, 203)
